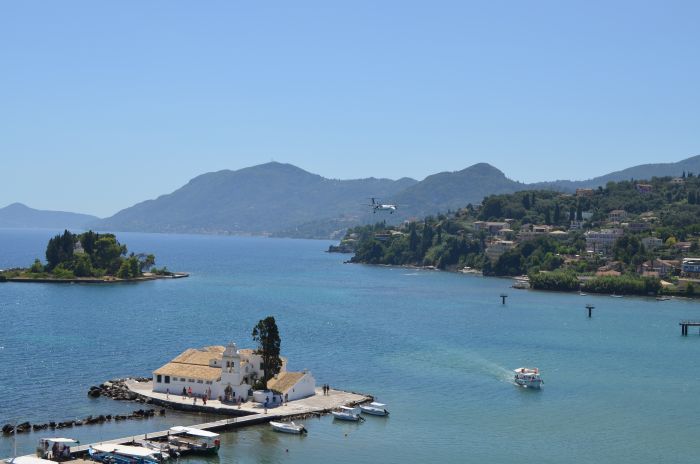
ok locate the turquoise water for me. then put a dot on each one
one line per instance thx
(437, 347)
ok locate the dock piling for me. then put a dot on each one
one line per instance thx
(589, 307)
(685, 324)
(503, 298)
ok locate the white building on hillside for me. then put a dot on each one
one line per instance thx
(225, 372)
(602, 241)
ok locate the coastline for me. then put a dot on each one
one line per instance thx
(474, 272)
(93, 280)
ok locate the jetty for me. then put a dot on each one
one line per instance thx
(243, 415)
(685, 324)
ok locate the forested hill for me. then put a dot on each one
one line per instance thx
(284, 200)
(261, 199)
(643, 171)
(664, 209)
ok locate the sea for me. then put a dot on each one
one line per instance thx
(439, 348)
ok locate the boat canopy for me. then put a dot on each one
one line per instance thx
(526, 370)
(28, 460)
(378, 405)
(193, 431)
(63, 441)
(348, 409)
(135, 451)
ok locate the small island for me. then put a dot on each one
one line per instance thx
(89, 257)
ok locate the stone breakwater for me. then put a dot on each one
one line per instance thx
(24, 427)
(115, 389)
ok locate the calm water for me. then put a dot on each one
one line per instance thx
(437, 347)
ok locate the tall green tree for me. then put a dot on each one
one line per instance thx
(59, 249)
(266, 334)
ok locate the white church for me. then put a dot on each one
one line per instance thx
(227, 373)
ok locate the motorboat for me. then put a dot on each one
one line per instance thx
(288, 427)
(185, 440)
(375, 409)
(55, 448)
(124, 454)
(528, 377)
(347, 414)
(522, 282)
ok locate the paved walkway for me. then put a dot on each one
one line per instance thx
(318, 403)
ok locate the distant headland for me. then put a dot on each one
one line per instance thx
(89, 257)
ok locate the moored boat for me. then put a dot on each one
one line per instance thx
(123, 454)
(55, 448)
(288, 427)
(190, 440)
(375, 409)
(528, 377)
(347, 414)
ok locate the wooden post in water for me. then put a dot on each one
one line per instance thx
(589, 307)
(503, 298)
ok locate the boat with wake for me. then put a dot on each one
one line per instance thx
(528, 377)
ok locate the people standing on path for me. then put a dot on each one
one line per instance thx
(167, 393)
(189, 391)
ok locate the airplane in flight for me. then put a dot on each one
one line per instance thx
(377, 206)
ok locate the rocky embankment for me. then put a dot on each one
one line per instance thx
(115, 389)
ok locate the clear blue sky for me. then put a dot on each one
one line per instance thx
(105, 104)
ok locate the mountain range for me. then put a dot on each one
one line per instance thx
(18, 215)
(284, 200)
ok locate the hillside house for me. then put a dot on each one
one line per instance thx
(496, 248)
(659, 268)
(652, 243)
(602, 241)
(690, 267)
(490, 227)
(617, 215)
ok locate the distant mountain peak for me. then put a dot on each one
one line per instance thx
(483, 169)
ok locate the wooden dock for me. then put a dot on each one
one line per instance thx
(685, 324)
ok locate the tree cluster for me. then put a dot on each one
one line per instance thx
(90, 254)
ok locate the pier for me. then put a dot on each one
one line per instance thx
(244, 415)
(685, 324)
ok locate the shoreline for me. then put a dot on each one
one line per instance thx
(475, 273)
(93, 280)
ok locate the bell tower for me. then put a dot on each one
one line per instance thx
(231, 365)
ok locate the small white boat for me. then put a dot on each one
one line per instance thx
(288, 427)
(527, 377)
(616, 296)
(522, 283)
(375, 409)
(347, 414)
